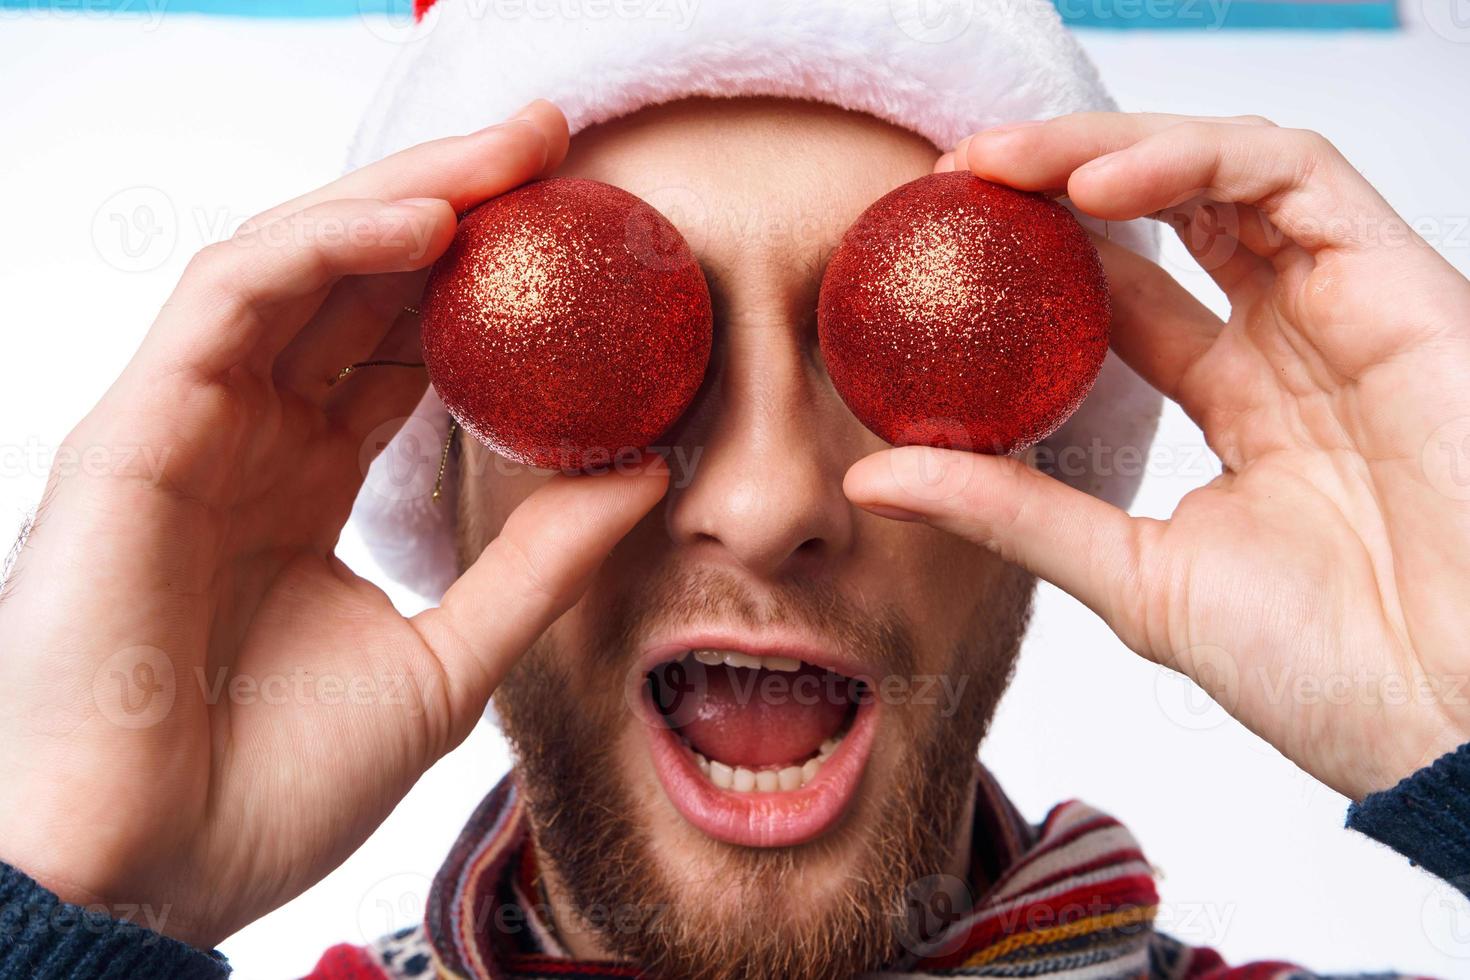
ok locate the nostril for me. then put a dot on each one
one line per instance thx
(759, 506)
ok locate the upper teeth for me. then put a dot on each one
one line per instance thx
(734, 658)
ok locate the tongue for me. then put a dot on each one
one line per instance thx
(756, 718)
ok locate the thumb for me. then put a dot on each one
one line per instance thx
(1082, 545)
(534, 570)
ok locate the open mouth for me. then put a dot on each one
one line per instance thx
(758, 748)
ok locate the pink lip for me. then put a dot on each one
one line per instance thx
(756, 819)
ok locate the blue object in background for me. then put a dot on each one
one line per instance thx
(1193, 15)
(1214, 15)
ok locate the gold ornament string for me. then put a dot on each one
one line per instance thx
(353, 368)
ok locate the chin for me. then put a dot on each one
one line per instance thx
(832, 905)
(746, 793)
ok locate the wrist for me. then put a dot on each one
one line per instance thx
(1414, 755)
(86, 878)
(50, 937)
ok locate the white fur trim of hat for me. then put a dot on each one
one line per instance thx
(940, 68)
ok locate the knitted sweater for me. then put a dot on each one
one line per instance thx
(1071, 898)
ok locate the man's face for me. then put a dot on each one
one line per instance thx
(675, 730)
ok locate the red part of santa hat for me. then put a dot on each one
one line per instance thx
(421, 7)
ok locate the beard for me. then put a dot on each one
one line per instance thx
(751, 912)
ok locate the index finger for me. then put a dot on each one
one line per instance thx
(463, 170)
(1120, 166)
(1041, 155)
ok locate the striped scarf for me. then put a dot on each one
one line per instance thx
(1070, 899)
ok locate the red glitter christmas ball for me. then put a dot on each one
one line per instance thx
(959, 313)
(567, 325)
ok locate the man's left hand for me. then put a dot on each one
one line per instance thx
(1319, 587)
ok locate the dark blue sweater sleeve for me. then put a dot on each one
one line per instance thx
(1426, 817)
(44, 938)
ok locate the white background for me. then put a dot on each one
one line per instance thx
(189, 125)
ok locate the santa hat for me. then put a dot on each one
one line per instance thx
(941, 68)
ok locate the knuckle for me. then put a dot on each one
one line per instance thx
(1251, 119)
(255, 222)
(215, 269)
(250, 227)
(211, 261)
(316, 261)
(1313, 142)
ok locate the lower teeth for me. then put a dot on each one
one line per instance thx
(784, 780)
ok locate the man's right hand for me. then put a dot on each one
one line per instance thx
(146, 594)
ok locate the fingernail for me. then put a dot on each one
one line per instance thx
(1101, 164)
(420, 202)
(524, 112)
(960, 155)
(507, 124)
(892, 513)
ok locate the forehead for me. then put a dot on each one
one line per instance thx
(753, 184)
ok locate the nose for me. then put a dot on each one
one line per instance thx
(766, 490)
